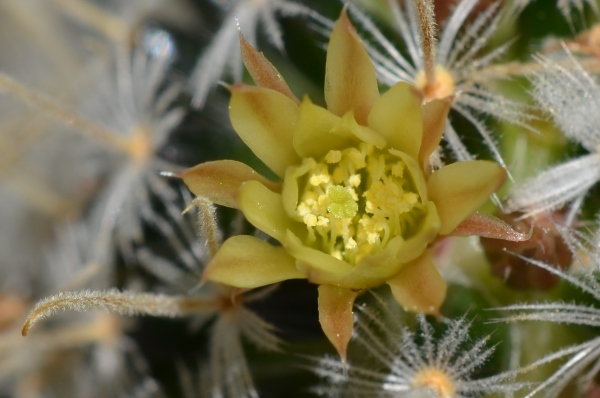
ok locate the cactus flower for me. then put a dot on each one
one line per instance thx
(357, 205)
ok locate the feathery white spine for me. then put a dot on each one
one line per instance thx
(442, 368)
(581, 356)
(111, 301)
(556, 186)
(222, 55)
(460, 54)
(572, 98)
(208, 227)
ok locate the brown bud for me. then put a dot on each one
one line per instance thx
(545, 245)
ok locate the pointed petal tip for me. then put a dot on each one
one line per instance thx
(343, 356)
(170, 174)
(265, 120)
(336, 316)
(345, 19)
(350, 77)
(488, 226)
(262, 71)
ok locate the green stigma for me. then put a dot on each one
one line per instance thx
(341, 204)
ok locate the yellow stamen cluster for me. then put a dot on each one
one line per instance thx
(355, 200)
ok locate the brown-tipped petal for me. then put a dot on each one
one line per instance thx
(335, 316)
(264, 209)
(397, 117)
(220, 181)
(459, 189)
(350, 79)
(262, 71)
(314, 135)
(435, 114)
(488, 226)
(247, 262)
(265, 120)
(419, 287)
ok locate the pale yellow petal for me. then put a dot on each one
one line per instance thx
(220, 181)
(263, 208)
(419, 287)
(247, 262)
(435, 115)
(397, 117)
(336, 317)
(265, 120)
(348, 127)
(262, 71)
(319, 267)
(418, 179)
(291, 191)
(459, 189)
(375, 269)
(314, 135)
(350, 79)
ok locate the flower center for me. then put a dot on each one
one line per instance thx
(354, 201)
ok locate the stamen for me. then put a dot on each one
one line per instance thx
(354, 201)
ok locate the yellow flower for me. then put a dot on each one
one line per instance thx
(358, 206)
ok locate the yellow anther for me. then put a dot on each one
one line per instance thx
(398, 170)
(319, 179)
(333, 156)
(357, 158)
(354, 180)
(310, 220)
(351, 244)
(322, 221)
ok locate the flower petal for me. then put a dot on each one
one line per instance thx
(336, 317)
(220, 181)
(247, 262)
(265, 120)
(419, 287)
(348, 127)
(350, 79)
(374, 269)
(291, 191)
(263, 208)
(461, 188)
(319, 267)
(397, 117)
(488, 226)
(313, 136)
(262, 71)
(435, 115)
(415, 171)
